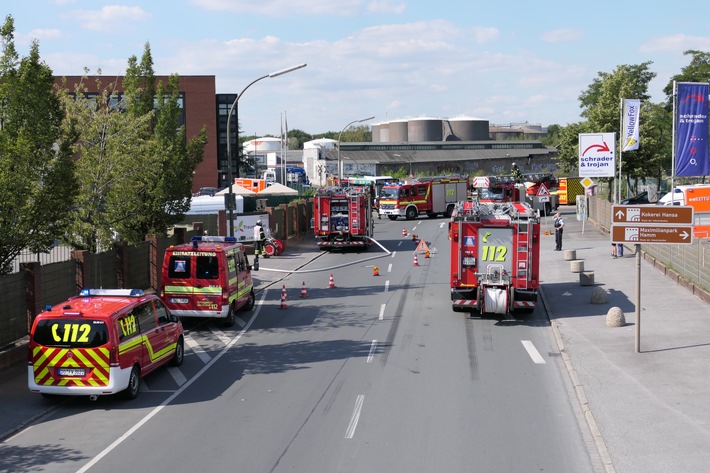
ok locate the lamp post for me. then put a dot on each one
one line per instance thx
(408, 160)
(235, 106)
(340, 164)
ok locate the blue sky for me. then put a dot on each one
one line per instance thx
(391, 59)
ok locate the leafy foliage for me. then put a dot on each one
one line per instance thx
(36, 167)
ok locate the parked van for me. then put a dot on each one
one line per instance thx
(695, 195)
(210, 277)
(102, 342)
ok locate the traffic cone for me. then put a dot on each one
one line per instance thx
(284, 297)
(416, 260)
(404, 232)
(304, 293)
(375, 271)
(426, 254)
(331, 282)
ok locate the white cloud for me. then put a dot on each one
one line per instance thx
(486, 35)
(282, 8)
(38, 34)
(561, 35)
(110, 17)
(676, 43)
(386, 6)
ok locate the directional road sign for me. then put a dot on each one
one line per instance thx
(652, 214)
(651, 234)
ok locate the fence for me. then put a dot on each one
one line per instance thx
(687, 264)
(37, 284)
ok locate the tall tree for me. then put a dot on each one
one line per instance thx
(37, 179)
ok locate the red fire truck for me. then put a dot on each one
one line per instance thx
(495, 252)
(424, 195)
(342, 217)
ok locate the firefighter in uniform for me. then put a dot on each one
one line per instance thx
(259, 240)
(517, 175)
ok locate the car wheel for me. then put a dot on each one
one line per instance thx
(250, 302)
(179, 355)
(229, 320)
(411, 213)
(134, 384)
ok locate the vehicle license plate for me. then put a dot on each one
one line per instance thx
(179, 300)
(71, 372)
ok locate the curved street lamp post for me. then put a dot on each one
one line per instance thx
(340, 163)
(235, 106)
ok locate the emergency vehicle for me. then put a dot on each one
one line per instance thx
(102, 342)
(210, 277)
(495, 252)
(425, 195)
(342, 217)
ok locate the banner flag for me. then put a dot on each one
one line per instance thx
(630, 133)
(691, 140)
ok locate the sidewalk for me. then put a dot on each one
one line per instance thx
(647, 410)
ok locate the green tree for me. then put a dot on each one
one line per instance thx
(697, 71)
(37, 179)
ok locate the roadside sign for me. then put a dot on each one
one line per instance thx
(586, 182)
(542, 191)
(597, 154)
(653, 214)
(651, 234)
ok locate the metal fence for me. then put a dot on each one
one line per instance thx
(690, 261)
(55, 255)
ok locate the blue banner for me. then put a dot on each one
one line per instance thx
(691, 146)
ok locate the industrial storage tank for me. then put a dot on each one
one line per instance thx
(424, 129)
(375, 129)
(381, 132)
(399, 131)
(465, 129)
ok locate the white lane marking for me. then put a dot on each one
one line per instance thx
(389, 268)
(177, 375)
(387, 285)
(532, 351)
(220, 334)
(373, 348)
(399, 244)
(356, 416)
(441, 225)
(240, 321)
(197, 349)
(394, 252)
(169, 400)
(382, 311)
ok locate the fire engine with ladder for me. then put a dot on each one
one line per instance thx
(495, 250)
(342, 217)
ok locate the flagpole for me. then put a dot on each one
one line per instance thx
(673, 156)
(622, 134)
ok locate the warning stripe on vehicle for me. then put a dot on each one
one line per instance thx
(95, 362)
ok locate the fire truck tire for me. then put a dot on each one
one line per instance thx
(134, 384)
(229, 319)
(449, 211)
(411, 213)
(250, 302)
(179, 355)
(392, 217)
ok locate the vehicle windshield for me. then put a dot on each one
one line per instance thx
(389, 193)
(71, 333)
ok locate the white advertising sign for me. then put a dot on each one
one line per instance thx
(597, 155)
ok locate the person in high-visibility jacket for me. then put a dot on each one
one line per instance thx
(259, 240)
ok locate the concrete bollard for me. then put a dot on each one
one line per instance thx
(577, 266)
(570, 255)
(586, 278)
(599, 295)
(615, 317)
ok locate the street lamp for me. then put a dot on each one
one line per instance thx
(408, 160)
(235, 106)
(340, 164)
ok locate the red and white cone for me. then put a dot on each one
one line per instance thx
(304, 293)
(331, 282)
(404, 232)
(284, 297)
(416, 260)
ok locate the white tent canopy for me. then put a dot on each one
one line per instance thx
(277, 189)
(207, 204)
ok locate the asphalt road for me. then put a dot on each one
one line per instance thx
(374, 374)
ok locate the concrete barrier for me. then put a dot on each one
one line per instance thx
(577, 266)
(615, 317)
(586, 278)
(570, 255)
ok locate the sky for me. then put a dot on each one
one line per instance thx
(389, 59)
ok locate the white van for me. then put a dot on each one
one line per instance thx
(678, 196)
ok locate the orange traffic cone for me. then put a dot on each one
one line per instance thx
(331, 282)
(404, 232)
(426, 254)
(284, 297)
(416, 260)
(375, 271)
(304, 293)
